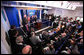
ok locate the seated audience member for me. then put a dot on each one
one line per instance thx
(80, 46)
(76, 32)
(45, 50)
(34, 39)
(19, 40)
(20, 44)
(81, 41)
(64, 52)
(49, 50)
(45, 35)
(62, 27)
(79, 26)
(68, 23)
(13, 27)
(63, 36)
(81, 35)
(70, 29)
(74, 47)
(55, 24)
(73, 26)
(66, 31)
(57, 42)
(50, 32)
(68, 50)
(52, 41)
(52, 49)
(27, 50)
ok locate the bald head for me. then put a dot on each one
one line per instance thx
(25, 16)
(19, 39)
(27, 50)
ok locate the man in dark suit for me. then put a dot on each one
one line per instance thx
(13, 42)
(12, 28)
(24, 20)
(55, 24)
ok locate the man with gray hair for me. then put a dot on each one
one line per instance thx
(34, 39)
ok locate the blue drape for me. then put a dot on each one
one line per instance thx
(13, 17)
(31, 12)
(21, 11)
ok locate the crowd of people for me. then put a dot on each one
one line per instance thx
(67, 33)
(31, 21)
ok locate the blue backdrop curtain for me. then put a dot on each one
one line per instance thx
(13, 17)
(31, 12)
(42, 13)
(27, 12)
(38, 14)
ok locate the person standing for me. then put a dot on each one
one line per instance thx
(10, 32)
(74, 47)
(55, 24)
(31, 21)
(28, 21)
(50, 20)
(35, 18)
(24, 20)
(14, 47)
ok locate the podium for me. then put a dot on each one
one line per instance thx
(38, 24)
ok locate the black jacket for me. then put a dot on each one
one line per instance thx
(55, 25)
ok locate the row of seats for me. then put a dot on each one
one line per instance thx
(46, 41)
